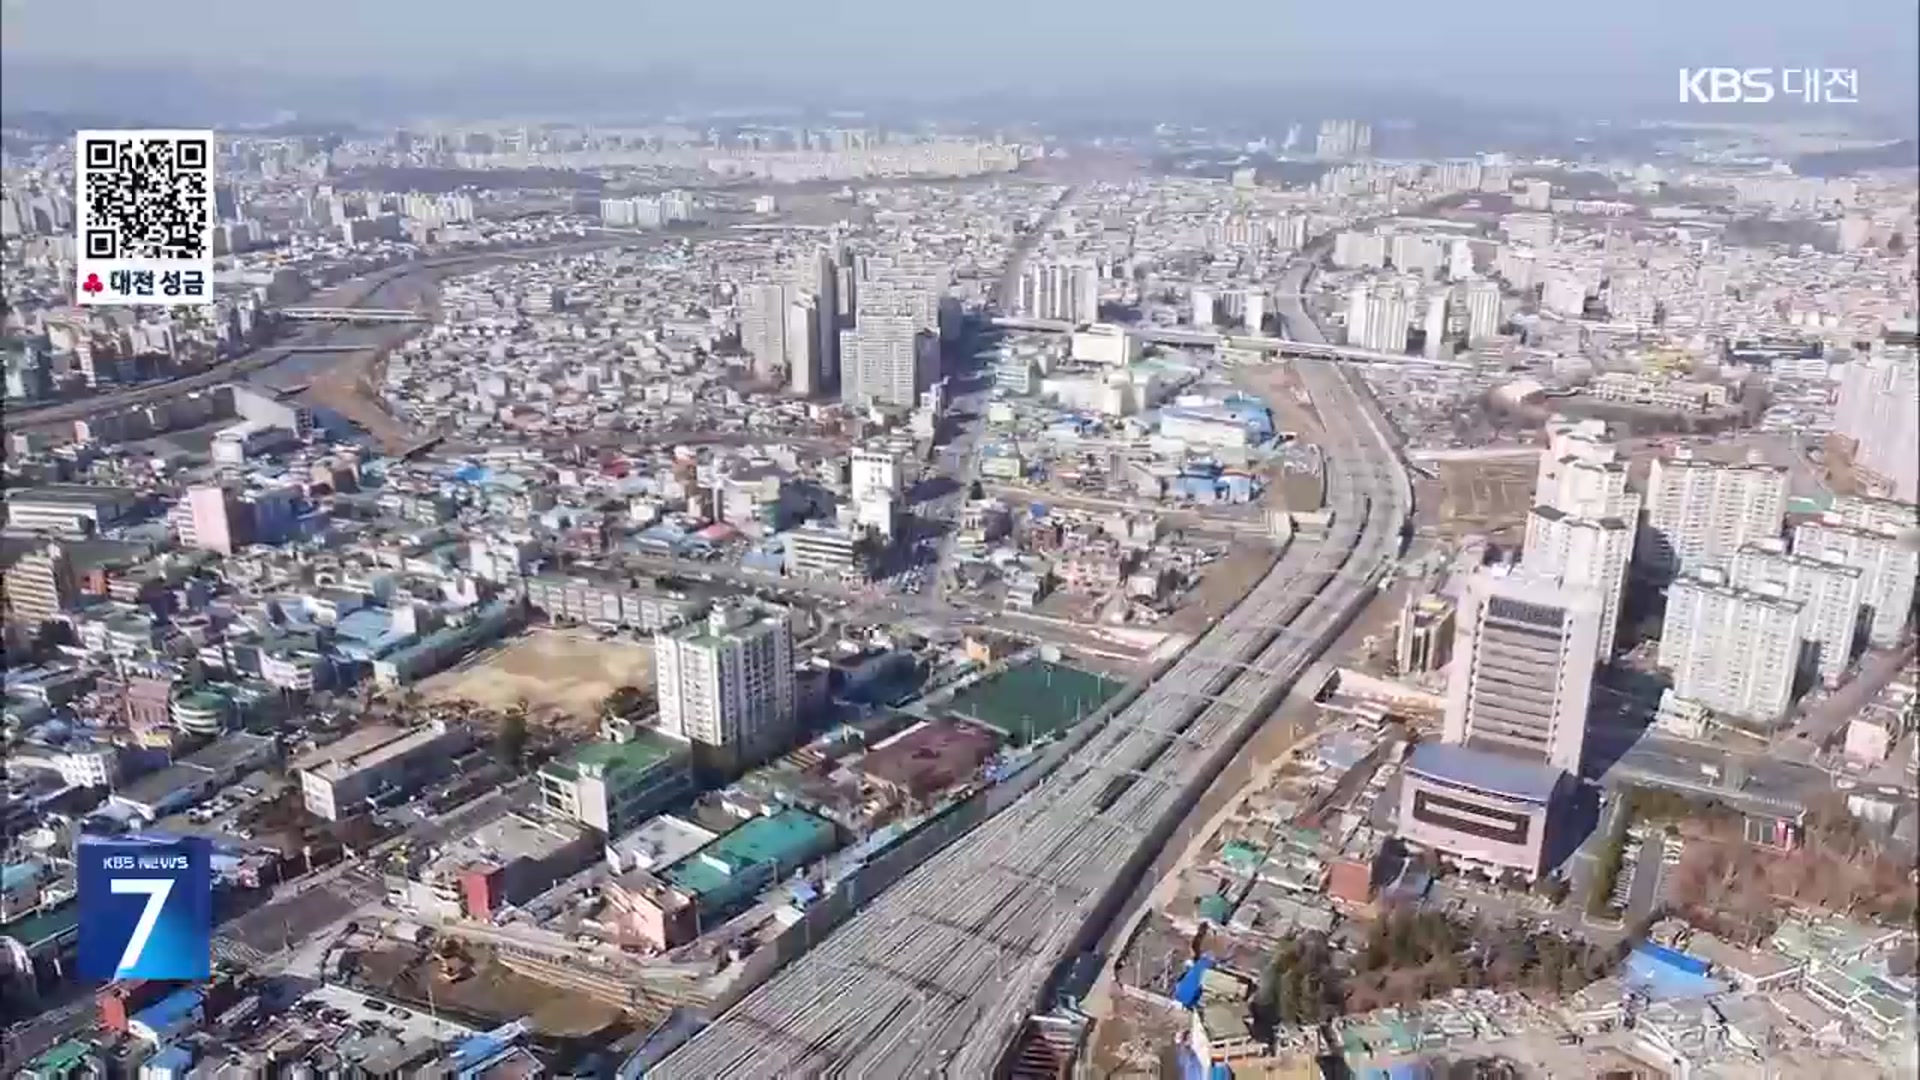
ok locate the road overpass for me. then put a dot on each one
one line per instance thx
(1278, 346)
(938, 975)
(351, 315)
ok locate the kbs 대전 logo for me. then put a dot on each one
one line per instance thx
(1758, 86)
(146, 908)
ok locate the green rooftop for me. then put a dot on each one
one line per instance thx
(68, 1055)
(786, 840)
(643, 752)
(43, 926)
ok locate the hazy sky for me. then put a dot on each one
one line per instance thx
(1545, 50)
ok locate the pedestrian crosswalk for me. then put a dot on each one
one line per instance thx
(237, 953)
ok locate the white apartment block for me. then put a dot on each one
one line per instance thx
(1828, 590)
(1521, 677)
(1733, 650)
(1582, 528)
(1063, 289)
(1879, 414)
(1889, 564)
(727, 680)
(1587, 553)
(1699, 512)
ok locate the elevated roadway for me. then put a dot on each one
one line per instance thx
(939, 974)
(1317, 347)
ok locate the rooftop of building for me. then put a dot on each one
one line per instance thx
(780, 839)
(503, 841)
(645, 750)
(932, 756)
(1484, 771)
(366, 748)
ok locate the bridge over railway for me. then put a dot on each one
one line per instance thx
(351, 315)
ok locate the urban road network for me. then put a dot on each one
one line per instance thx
(938, 976)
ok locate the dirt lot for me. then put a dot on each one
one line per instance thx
(559, 673)
(1479, 497)
(491, 991)
(349, 388)
(1222, 585)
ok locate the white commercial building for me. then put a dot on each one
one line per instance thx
(1522, 670)
(727, 681)
(1699, 512)
(1733, 650)
(876, 470)
(1828, 590)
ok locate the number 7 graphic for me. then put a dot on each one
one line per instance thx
(155, 890)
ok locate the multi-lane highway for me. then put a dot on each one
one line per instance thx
(938, 975)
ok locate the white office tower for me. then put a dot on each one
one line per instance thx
(1829, 594)
(1483, 311)
(1884, 544)
(804, 374)
(1253, 310)
(1433, 325)
(1522, 669)
(1879, 416)
(1699, 512)
(727, 680)
(1733, 650)
(763, 326)
(1063, 289)
(1203, 309)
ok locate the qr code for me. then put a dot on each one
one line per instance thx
(145, 195)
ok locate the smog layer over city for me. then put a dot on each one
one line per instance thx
(1012, 540)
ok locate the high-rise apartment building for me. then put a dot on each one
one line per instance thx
(1064, 289)
(1582, 527)
(1378, 316)
(1699, 512)
(1340, 139)
(763, 326)
(1522, 670)
(892, 353)
(727, 681)
(1736, 651)
(41, 585)
(1483, 311)
(1874, 536)
(804, 363)
(212, 518)
(1827, 589)
(1879, 416)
